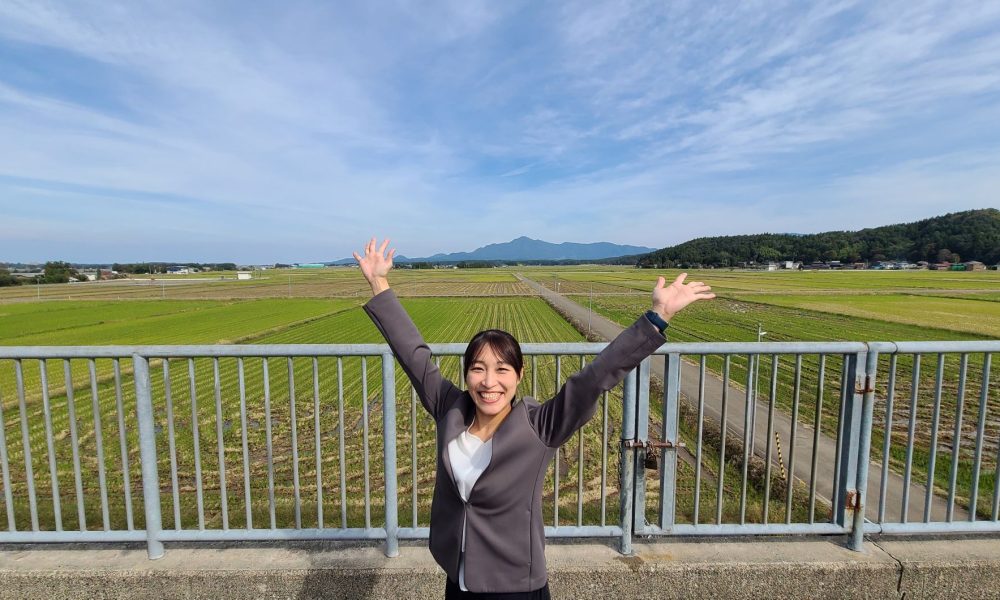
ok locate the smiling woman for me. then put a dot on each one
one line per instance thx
(493, 450)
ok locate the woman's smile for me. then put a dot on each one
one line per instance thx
(490, 397)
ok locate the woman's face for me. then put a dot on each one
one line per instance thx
(491, 382)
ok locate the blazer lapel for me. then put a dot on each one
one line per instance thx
(456, 421)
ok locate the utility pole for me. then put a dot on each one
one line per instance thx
(289, 285)
(590, 315)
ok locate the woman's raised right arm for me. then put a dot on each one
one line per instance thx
(436, 393)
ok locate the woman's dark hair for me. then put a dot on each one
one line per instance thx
(503, 345)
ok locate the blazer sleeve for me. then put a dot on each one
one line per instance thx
(436, 393)
(558, 419)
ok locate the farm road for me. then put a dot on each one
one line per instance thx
(782, 425)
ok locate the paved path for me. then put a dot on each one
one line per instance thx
(736, 411)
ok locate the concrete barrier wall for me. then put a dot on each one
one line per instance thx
(762, 568)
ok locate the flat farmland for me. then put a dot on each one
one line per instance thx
(106, 323)
(579, 280)
(334, 282)
(972, 315)
(346, 282)
(221, 414)
(736, 319)
(323, 306)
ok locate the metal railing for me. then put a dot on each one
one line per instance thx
(276, 442)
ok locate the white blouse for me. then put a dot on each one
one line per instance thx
(469, 457)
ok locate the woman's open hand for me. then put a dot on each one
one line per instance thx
(376, 264)
(668, 300)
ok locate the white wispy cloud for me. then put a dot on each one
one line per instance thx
(453, 124)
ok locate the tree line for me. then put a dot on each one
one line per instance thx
(969, 235)
(58, 271)
(53, 272)
(154, 268)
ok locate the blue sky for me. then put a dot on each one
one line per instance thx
(292, 131)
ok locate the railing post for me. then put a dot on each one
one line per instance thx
(856, 437)
(864, 450)
(389, 446)
(847, 473)
(626, 483)
(641, 435)
(668, 467)
(147, 453)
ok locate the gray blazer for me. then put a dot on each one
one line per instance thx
(505, 536)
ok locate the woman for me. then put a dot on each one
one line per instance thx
(493, 449)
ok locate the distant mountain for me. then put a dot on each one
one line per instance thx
(954, 237)
(527, 249)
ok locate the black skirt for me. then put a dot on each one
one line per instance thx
(453, 592)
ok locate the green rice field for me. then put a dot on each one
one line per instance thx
(581, 279)
(792, 318)
(198, 418)
(323, 306)
(975, 316)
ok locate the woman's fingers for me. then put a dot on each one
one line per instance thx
(370, 248)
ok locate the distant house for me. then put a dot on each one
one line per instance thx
(178, 270)
(771, 266)
(893, 265)
(244, 275)
(974, 265)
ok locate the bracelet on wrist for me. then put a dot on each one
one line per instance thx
(657, 320)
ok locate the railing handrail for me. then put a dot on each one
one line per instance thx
(448, 349)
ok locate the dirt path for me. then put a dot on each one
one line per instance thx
(736, 411)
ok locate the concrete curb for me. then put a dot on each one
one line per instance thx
(761, 568)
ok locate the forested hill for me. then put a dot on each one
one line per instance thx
(962, 236)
